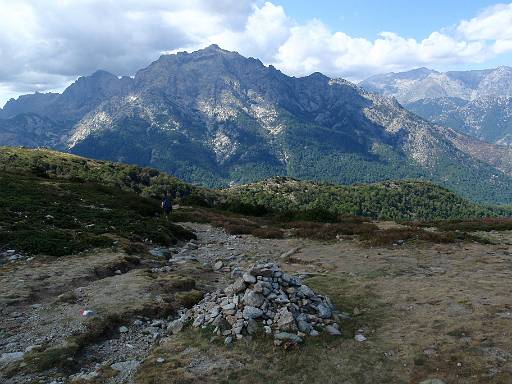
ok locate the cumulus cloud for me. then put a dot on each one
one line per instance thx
(266, 29)
(494, 25)
(45, 45)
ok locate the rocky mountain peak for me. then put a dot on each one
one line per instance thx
(418, 72)
(214, 49)
(212, 52)
(475, 102)
(504, 69)
(318, 76)
(98, 81)
(35, 102)
(101, 74)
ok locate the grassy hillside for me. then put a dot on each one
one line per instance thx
(51, 164)
(59, 217)
(400, 200)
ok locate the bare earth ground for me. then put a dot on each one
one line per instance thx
(427, 311)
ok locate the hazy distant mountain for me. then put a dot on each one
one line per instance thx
(486, 118)
(478, 103)
(35, 103)
(215, 117)
(424, 83)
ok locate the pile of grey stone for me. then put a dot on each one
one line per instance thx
(268, 300)
(10, 255)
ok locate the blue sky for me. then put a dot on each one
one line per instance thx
(366, 18)
(46, 45)
(415, 19)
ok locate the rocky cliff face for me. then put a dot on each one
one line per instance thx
(215, 117)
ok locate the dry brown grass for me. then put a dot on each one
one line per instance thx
(277, 227)
(329, 231)
(268, 233)
(189, 298)
(485, 224)
(392, 236)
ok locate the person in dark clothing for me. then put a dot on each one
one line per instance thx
(166, 204)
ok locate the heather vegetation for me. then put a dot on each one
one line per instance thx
(397, 200)
(60, 217)
(58, 204)
(50, 164)
(54, 204)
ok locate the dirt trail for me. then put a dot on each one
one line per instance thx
(427, 310)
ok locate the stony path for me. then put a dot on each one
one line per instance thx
(215, 245)
(35, 315)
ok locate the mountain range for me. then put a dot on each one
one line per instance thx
(216, 118)
(478, 102)
(424, 83)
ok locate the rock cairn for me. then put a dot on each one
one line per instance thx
(268, 299)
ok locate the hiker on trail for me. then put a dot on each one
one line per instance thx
(166, 205)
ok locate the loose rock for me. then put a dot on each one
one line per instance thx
(360, 337)
(125, 366)
(248, 278)
(333, 331)
(218, 265)
(11, 357)
(265, 296)
(288, 336)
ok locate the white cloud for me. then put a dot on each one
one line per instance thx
(266, 29)
(495, 23)
(44, 45)
(312, 47)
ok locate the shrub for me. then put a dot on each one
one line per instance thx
(329, 231)
(173, 283)
(268, 233)
(246, 208)
(238, 229)
(321, 215)
(190, 298)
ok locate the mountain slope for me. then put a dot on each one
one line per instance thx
(499, 156)
(85, 94)
(477, 103)
(424, 83)
(486, 118)
(33, 103)
(402, 200)
(215, 117)
(32, 130)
